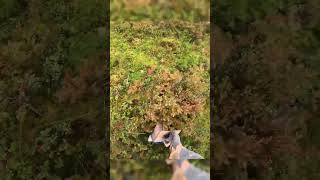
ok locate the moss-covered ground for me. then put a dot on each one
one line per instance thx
(159, 73)
(157, 48)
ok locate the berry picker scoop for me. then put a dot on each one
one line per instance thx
(172, 140)
(179, 155)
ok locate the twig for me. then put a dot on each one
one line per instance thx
(34, 110)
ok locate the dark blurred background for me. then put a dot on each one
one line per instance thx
(52, 76)
(266, 89)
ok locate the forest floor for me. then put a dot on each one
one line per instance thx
(159, 73)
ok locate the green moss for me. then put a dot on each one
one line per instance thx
(187, 10)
